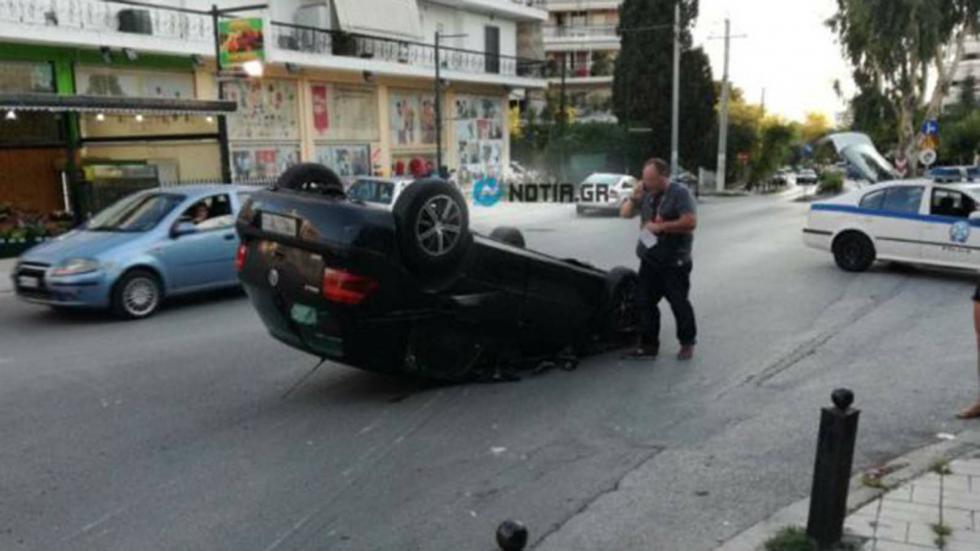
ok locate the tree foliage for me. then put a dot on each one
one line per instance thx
(894, 44)
(642, 86)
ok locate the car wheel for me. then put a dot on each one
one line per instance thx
(619, 317)
(313, 178)
(853, 252)
(136, 295)
(433, 226)
(509, 235)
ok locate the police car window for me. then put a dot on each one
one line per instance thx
(873, 200)
(905, 200)
(946, 202)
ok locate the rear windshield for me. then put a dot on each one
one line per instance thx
(372, 191)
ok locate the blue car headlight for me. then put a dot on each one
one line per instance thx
(76, 266)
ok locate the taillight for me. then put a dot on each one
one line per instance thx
(240, 257)
(345, 287)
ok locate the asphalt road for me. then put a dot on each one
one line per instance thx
(174, 433)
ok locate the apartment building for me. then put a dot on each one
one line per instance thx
(582, 33)
(120, 92)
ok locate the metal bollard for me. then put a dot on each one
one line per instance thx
(512, 535)
(832, 470)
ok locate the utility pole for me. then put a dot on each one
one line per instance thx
(763, 102)
(675, 108)
(563, 115)
(723, 118)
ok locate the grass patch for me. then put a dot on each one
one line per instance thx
(791, 538)
(942, 532)
(941, 467)
(869, 480)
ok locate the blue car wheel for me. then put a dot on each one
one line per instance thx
(136, 295)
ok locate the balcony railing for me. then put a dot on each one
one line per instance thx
(579, 31)
(582, 70)
(312, 40)
(100, 17)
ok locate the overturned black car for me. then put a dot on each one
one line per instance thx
(411, 289)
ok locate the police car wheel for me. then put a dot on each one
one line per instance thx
(853, 252)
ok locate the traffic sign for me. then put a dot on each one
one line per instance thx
(927, 156)
(930, 127)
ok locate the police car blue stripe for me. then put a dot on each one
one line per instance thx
(930, 218)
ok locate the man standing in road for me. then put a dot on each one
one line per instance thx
(668, 215)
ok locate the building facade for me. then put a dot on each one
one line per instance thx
(968, 70)
(583, 35)
(340, 84)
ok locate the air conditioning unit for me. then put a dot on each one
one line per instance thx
(135, 21)
(315, 15)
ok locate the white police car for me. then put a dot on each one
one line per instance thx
(914, 221)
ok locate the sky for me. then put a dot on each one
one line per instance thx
(787, 50)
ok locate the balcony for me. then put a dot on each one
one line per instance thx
(94, 23)
(577, 5)
(313, 47)
(594, 71)
(580, 37)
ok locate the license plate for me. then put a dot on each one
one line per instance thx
(28, 282)
(278, 224)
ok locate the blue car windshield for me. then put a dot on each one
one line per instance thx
(138, 213)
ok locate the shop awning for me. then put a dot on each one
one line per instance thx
(384, 18)
(114, 105)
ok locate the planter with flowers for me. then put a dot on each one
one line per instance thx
(20, 230)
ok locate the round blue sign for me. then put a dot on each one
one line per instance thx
(487, 192)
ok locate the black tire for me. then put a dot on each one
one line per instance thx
(618, 316)
(137, 295)
(853, 252)
(509, 235)
(312, 178)
(433, 226)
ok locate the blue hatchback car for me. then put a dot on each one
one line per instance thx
(150, 245)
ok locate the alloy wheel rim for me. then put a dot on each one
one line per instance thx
(439, 225)
(140, 296)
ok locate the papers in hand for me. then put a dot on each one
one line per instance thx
(648, 238)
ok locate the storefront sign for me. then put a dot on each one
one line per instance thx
(268, 109)
(104, 81)
(22, 76)
(242, 40)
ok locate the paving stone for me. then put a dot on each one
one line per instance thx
(956, 482)
(966, 536)
(860, 526)
(869, 510)
(969, 467)
(884, 545)
(921, 534)
(902, 493)
(928, 480)
(909, 512)
(892, 530)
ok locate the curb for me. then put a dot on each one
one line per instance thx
(907, 467)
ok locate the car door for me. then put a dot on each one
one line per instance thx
(205, 258)
(949, 237)
(894, 217)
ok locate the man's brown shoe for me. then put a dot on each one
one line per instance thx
(972, 412)
(686, 353)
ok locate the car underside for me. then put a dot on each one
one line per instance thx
(413, 290)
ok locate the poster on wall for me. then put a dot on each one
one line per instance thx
(479, 122)
(413, 118)
(348, 161)
(242, 40)
(267, 109)
(341, 112)
(262, 162)
(24, 76)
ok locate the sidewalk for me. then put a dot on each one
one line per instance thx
(907, 508)
(934, 511)
(6, 266)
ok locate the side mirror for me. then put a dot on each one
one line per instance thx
(181, 229)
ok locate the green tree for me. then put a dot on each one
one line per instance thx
(772, 149)
(642, 85)
(893, 46)
(960, 139)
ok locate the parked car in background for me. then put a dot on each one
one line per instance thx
(954, 174)
(604, 192)
(144, 248)
(782, 177)
(807, 177)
